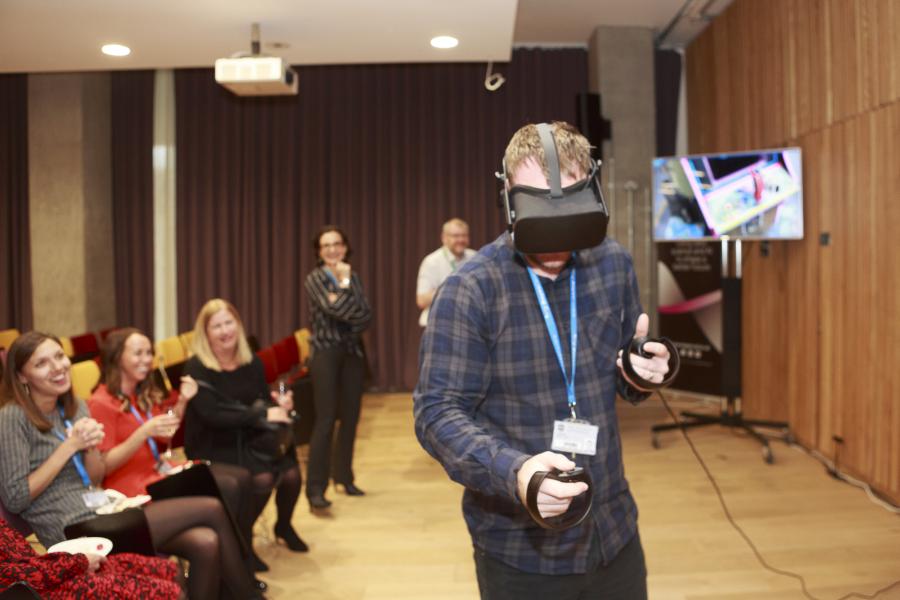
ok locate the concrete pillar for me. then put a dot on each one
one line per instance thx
(70, 202)
(620, 61)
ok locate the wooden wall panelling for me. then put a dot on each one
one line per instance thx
(859, 364)
(886, 306)
(886, 55)
(833, 178)
(827, 74)
(801, 298)
(844, 59)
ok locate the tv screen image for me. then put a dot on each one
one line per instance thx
(742, 195)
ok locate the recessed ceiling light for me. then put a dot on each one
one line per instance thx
(444, 42)
(115, 50)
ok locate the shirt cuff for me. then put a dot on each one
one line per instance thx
(628, 392)
(506, 465)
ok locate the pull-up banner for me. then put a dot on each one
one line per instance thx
(690, 311)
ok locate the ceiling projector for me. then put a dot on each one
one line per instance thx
(256, 74)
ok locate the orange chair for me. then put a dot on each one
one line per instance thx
(171, 350)
(187, 340)
(302, 337)
(67, 346)
(7, 337)
(85, 376)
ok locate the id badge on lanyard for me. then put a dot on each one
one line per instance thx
(93, 497)
(572, 435)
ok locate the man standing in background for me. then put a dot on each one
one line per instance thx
(438, 265)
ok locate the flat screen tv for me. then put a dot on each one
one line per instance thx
(743, 195)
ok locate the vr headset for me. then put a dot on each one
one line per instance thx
(559, 219)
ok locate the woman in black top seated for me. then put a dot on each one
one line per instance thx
(231, 406)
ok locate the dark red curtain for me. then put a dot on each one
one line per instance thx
(15, 238)
(131, 101)
(387, 152)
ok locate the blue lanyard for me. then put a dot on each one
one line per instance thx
(150, 441)
(331, 276)
(76, 458)
(550, 321)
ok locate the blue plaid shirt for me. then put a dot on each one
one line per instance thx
(490, 388)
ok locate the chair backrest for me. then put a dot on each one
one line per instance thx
(7, 337)
(187, 339)
(15, 521)
(302, 337)
(287, 354)
(67, 346)
(85, 346)
(270, 362)
(85, 375)
(172, 350)
(128, 530)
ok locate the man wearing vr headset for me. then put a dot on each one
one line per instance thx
(521, 361)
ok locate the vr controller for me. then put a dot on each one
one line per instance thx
(637, 347)
(578, 510)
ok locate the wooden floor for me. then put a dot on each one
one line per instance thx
(406, 538)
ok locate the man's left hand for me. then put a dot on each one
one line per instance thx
(652, 369)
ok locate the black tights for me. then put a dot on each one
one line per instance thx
(234, 483)
(287, 490)
(198, 530)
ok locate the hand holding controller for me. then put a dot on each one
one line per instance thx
(649, 363)
(578, 507)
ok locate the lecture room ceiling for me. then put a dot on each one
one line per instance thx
(54, 35)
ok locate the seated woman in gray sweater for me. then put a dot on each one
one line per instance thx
(49, 465)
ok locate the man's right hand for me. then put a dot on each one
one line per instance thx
(554, 497)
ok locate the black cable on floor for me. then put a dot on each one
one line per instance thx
(740, 531)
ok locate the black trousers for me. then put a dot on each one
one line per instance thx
(337, 377)
(625, 578)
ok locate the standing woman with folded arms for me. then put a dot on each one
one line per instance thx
(340, 313)
(50, 463)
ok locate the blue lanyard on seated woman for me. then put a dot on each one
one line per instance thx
(94, 497)
(161, 466)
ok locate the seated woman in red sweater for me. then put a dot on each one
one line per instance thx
(138, 418)
(61, 575)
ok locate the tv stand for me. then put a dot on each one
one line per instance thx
(730, 414)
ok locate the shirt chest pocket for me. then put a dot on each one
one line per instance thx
(603, 329)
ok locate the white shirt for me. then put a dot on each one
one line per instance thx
(435, 268)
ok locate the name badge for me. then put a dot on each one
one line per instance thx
(163, 467)
(579, 437)
(95, 498)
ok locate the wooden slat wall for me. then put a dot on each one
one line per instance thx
(821, 323)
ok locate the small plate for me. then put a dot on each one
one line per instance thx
(84, 545)
(119, 502)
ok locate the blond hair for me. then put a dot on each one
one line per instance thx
(200, 343)
(573, 149)
(454, 221)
